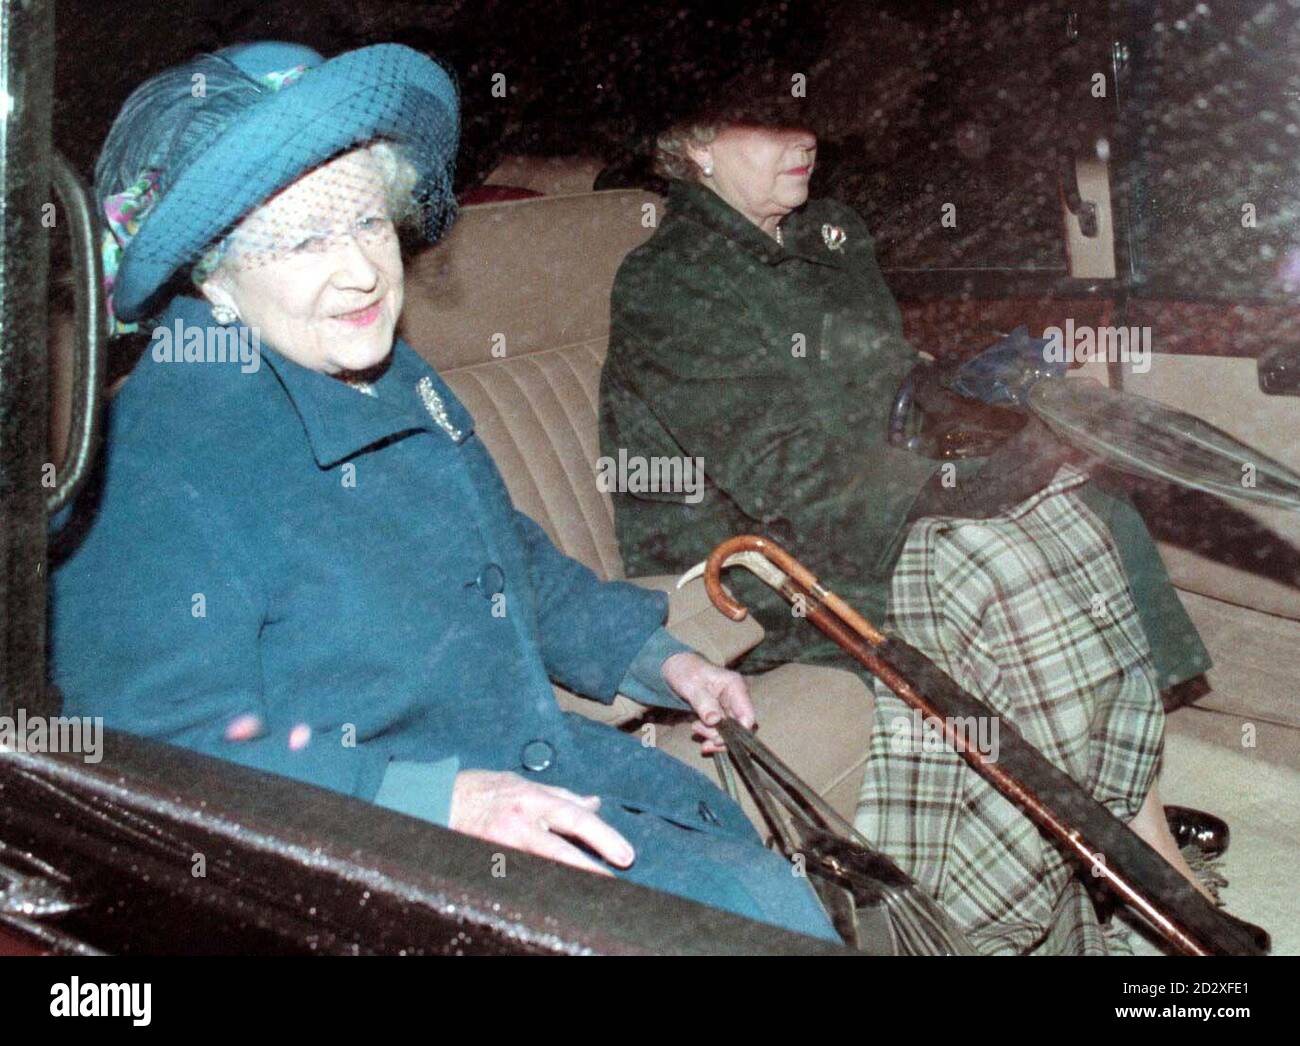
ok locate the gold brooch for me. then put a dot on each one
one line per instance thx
(436, 408)
(833, 236)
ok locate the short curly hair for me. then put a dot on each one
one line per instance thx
(671, 157)
(400, 179)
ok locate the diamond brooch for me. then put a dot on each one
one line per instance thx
(436, 408)
(834, 237)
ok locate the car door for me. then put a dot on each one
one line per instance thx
(1121, 168)
(1210, 205)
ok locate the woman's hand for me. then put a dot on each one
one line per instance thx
(713, 692)
(508, 809)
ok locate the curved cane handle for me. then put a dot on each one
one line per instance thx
(750, 550)
(719, 596)
(769, 550)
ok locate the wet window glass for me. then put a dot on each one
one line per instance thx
(952, 146)
(1211, 104)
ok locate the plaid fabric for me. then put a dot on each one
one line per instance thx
(1030, 610)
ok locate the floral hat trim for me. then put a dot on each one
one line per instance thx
(126, 211)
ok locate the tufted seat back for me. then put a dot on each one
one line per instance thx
(512, 308)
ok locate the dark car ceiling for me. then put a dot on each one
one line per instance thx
(918, 103)
(581, 76)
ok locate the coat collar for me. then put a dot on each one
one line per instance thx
(340, 421)
(801, 231)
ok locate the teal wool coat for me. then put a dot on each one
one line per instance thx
(350, 572)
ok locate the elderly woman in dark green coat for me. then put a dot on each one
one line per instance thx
(754, 334)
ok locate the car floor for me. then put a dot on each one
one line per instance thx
(1236, 754)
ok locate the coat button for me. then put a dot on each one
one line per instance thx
(537, 756)
(707, 814)
(491, 581)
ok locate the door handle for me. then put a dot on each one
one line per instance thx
(1279, 371)
(1084, 210)
(88, 356)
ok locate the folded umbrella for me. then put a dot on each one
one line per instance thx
(1130, 432)
(1081, 826)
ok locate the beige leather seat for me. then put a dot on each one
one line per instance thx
(548, 175)
(512, 308)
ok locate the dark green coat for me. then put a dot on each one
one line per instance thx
(777, 366)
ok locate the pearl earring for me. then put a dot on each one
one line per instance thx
(224, 314)
(707, 170)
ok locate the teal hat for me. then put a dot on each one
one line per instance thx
(199, 146)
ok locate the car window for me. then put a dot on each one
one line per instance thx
(952, 150)
(1212, 122)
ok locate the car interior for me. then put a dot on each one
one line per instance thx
(511, 307)
(536, 409)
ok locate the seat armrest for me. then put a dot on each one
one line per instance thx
(694, 620)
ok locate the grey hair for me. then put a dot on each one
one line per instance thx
(400, 179)
(671, 157)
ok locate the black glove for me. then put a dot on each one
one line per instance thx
(1016, 470)
(954, 426)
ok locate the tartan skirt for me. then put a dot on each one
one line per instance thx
(1030, 611)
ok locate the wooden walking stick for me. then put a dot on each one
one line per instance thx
(1051, 798)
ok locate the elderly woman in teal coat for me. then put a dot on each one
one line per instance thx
(302, 558)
